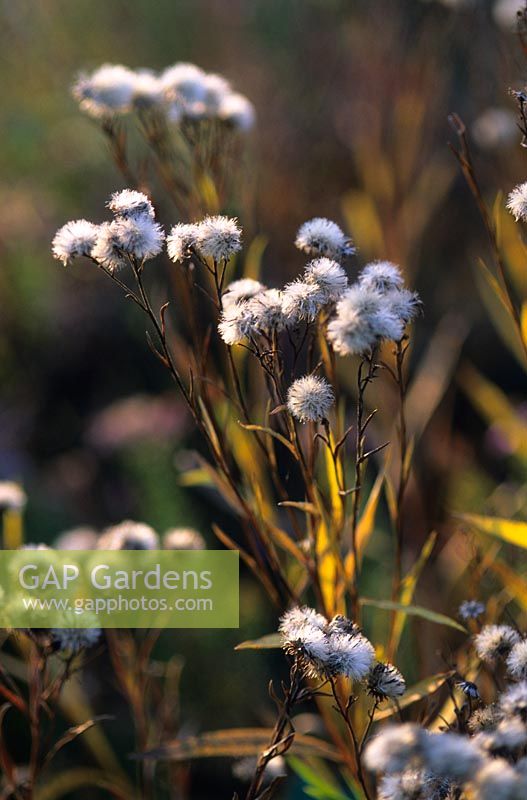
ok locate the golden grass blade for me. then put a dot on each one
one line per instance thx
(271, 641)
(236, 742)
(407, 592)
(511, 531)
(70, 781)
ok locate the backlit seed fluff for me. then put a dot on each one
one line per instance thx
(354, 329)
(310, 398)
(302, 301)
(12, 496)
(130, 203)
(341, 624)
(267, 310)
(395, 749)
(308, 645)
(413, 785)
(184, 82)
(236, 110)
(495, 641)
(471, 609)
(351, 656)
(107, 91)
(243, 289)
(74, 640)
(517, 202)
(452, 756)
(129, 535)
(139, 237)
(517, 661)
(403, 305)
(182, 241)
(322, 237)
(497, 780)
(183, 539)
(382, 276)
(513, 702)
(219, 237)
(301, 615)
(236, 323)
(74, 239)
(385, 680)
(329, 276)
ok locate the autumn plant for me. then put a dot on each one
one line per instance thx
(286, 386)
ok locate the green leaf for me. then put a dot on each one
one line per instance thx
(270, 641)
(416, 611)
(508, 530)
(316, 785)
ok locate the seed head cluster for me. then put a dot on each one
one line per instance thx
(326, 649)
(486, 759)
(182, 93)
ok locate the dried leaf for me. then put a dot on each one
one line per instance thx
(235, 742)
(271, 641)
(419, 691)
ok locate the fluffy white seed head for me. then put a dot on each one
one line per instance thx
(219, 237)
(107, 91)
(241, 290)
(508, 736)
(74, 239)
(495, 641)
(129, 535)
(395, 749)
(362, 318)
(182, 241)
(413, 785)
(148, 90)
(497, 780)
(267, 310)
(183, 539)
(237, 111)
(471, 609)
(513, 702)
(385, 680)
(12, 496)
(301, 615)
(128, 203)
(517, 202)
(484, 718)
(310, 398)
(74, 640)
(517, 661)
(237, 323)
(184, 83)
(381, 276)
(107, 249)
(139, 237)
(329, 276)
(452, 756)
(351, 656)
(403, 305)
(341, 624)
(81, 538)
(302, 301)
(322, 237)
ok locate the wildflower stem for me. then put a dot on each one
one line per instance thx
(360, 430)
(344, 711)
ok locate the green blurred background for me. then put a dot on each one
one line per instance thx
(352, 99)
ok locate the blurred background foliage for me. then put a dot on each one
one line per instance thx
(352, 98)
